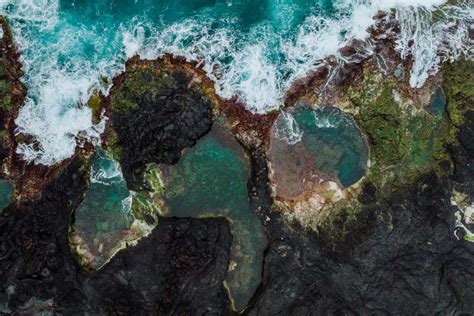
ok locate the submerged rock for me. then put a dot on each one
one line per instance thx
(210, 180)
(313, 156)
(6, 193)
(110, 217)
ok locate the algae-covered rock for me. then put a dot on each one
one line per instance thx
(12, 91)
(12, 94)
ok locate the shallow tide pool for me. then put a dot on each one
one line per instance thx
(6, 193)
(104, 217)
(210, 180)
(336, 143)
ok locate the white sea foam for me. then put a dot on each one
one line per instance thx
(287, 129)
(257, 67)
(133, 41)
(328, 120)
(431, 37)
(253, 79)
(58, 82)
(105, 170)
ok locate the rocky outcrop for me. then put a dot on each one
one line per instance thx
(180, 267)
(388, 247)
(29, 179)
(156, 112)
(12, 91)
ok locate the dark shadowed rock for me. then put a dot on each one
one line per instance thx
(179, 268)
(156, 113)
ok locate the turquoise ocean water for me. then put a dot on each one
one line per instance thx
(252, 49)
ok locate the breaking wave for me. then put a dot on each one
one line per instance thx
(69, 51)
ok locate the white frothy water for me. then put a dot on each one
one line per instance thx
(58, 87)
(436, 36)
(105, 170)
(246, 68)
(328, 120)
(287, 129)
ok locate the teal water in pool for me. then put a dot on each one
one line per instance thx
(104, 216)
(6, 193)
(438, 101)
(211, 180)
(337, 145)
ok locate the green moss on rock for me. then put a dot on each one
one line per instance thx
(459, 88)
(140, 83)
(405, 139)
(382, 121)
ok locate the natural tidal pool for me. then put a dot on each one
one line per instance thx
(334, 140)
(6, 193)
(211, 180)
(105, 221)
(312, 146)
(438, 101)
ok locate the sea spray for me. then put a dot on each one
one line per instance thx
(70, 49)
(287, 129)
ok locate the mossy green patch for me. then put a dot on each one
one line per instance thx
(404, 139)
(139, 84)
(459, 88)
(95, 103)
(112, 145)
(382, 121)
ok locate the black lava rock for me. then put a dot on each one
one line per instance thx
(169, 114)
(178, 270)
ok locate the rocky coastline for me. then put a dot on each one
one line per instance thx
(397, 241)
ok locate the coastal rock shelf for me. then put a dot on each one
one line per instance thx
(357, 199)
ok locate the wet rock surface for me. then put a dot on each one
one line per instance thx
(178, 269)
(396, 255)
(12, 91)
(156, 113)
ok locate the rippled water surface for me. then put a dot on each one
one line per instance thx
(252, 49)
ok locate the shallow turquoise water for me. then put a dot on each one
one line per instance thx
(105, 213)
(338, 146)
(6, 193)
(438, 101)
(210, 180)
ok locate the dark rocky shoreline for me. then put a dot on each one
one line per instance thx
(398, 256)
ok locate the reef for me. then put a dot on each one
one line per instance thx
(355, 198)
